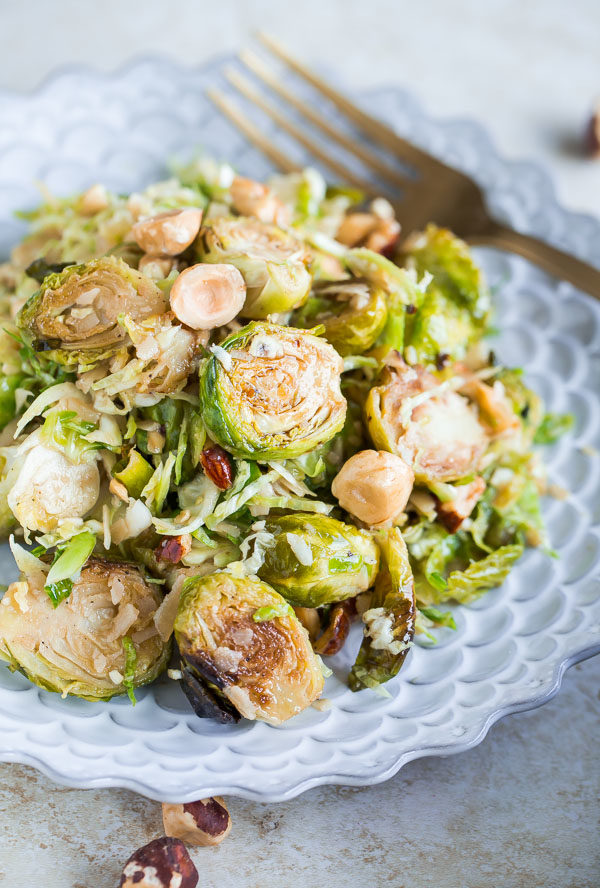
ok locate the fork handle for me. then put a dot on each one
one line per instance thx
(556, 262)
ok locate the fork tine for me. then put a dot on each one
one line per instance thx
(247, 89)
(269, 77)
(234, 113)
(374, 129)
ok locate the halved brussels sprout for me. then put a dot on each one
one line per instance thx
(353, 313)
(390, 619)
(271, 261)
(98, 642)
(240, 640)
(317, 560)
(433, 429)
(440, 329)
(46, 485)
(271, 392)
(448, 258)
(74, 315)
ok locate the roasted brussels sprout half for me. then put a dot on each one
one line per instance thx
(46, 485)
(74, 316)
(317, 560)
(439, 252)
(390, 619)
(271, 392)
(271, 261)
(434, 429)
(353, 313)
(98, 642)
(242, 641)
(440, 329)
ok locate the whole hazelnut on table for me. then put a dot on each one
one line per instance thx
(592, 136)
(162, 863)
(205, 822)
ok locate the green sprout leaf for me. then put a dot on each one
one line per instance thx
(57, 592)
(552, 427)
(72, 558)
(130, 664)
(272, 611)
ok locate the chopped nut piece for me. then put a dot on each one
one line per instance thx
(217, 465)
(173, 548)
(336, 633)
(309, 617)
(119, 490)
(168, 234)
(162, 863)
(453, 513)
(205, 822)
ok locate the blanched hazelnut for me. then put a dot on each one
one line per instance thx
(169, 233)
(157, 268)
(355, 227)
(252, 198)
(162, 863)
(205, 822)
(384, 236)
(206, 296)
(93, 201)
(309, 617)
(374, 486)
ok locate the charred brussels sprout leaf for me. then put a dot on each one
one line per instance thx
(390, 620)
(353, 314)
(266, 670)
(77, 648)
(271, 392)
(271, 261)
(73, 318)
(39, 269)
(317, 560)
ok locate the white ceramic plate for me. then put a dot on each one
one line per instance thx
(511, 647)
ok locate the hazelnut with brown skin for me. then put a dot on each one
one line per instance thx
(592, 136)
(205, 822)
(162, 863)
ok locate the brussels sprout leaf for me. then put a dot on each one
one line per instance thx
(58, 591)
(130, 664)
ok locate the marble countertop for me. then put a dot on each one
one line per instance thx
(522, 808)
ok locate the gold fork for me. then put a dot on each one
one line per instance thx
(438, 193)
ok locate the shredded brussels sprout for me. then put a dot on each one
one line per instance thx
(140, 457)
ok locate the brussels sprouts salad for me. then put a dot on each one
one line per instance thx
(238, 417)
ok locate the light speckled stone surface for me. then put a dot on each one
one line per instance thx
(519, 811)
(522, 809)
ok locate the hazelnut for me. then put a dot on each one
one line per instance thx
(207, 295)
(374, 486)
(252, 198)
(93, 201)
(355, 227)
(162, 863)
(157, 268)
(169, 233)
(205, 822)
(593, 133)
